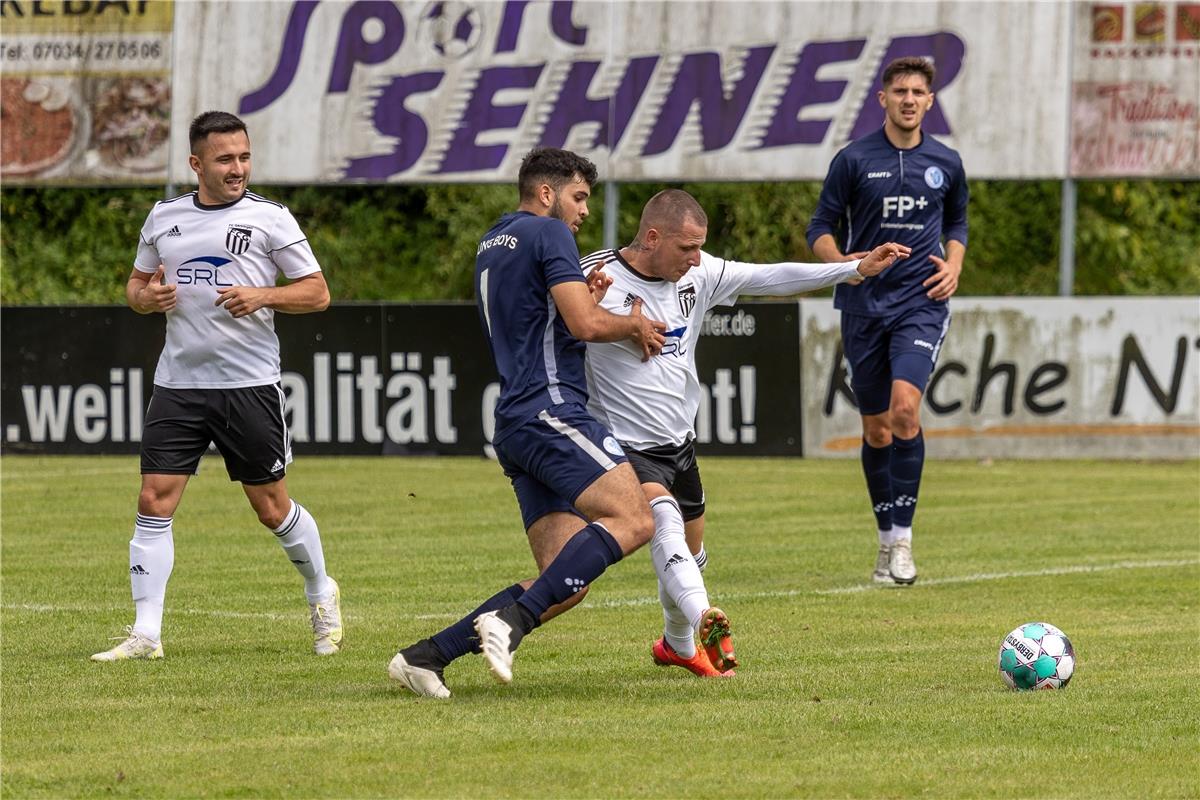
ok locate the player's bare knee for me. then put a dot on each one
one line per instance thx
(157, 501)
(906, 420)
(272, 511)
(876, 431)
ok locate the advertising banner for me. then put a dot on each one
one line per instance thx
(447, 90)
(86, 91)
(1135, 108)
(366, 379)
(1032, 378)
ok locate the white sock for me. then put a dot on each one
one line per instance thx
(673, 561)
(701, 557)
(677, 630)
(151, 558)
(901, 534)
(302, 542)
(886, 536)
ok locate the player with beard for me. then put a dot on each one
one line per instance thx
(651, 408)
(896, 183)
(580, 502)
(208, 260)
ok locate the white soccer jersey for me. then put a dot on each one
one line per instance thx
(654, 403)
(203, 249)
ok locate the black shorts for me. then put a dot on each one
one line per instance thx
(675, 468)
(246, 425)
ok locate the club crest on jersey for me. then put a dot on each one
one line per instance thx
(687, 299)
(237, 239)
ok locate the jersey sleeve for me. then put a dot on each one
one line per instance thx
(147, 258)
(954, 219)
(559, 254)
(777, 280)
(288, 247)
(834, 199)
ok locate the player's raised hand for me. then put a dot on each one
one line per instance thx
(944, 282)
(649, 332)
(156, 295)
(881, 258)
(598, 281)
(242, 300)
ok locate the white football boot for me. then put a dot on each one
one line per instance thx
(135, 645)
(326, 617)
(900, 562)
(497, 641)
(882, 573)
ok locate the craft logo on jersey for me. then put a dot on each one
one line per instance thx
(687, 299)
(237, 239)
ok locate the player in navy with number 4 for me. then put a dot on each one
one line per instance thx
(581, 504)
(896, 184)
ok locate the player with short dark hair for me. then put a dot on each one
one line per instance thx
(579, 498)
(651, 407)
(209, 260)
(896, 183)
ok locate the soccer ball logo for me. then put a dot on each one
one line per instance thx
(1036, 655)
(451, 27)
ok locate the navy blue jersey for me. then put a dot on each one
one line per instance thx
(539, 361)
(877, 193)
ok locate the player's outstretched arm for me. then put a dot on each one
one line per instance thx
(788, 278)
(302, 296)
(589, 322)
(147, 294)
(881, 258)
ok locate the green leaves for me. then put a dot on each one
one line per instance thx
(413, 243)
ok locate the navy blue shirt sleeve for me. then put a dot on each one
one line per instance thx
(559, 255)
(954, 216)
(835, 197)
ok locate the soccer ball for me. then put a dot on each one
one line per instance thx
(451, 27)
(1036, 655)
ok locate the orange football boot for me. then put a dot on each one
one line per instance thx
(717, 642)
(665, 656)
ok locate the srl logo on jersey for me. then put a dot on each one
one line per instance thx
(934, 177)
(687, 299)
(237, 239)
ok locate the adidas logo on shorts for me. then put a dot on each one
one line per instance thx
(278, 466)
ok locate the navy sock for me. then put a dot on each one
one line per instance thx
(908, 459)
(877, 467)
(460, 639)
(583, 559)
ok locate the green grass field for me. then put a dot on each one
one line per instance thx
(845, 690)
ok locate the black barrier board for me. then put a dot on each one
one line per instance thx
(367, 379)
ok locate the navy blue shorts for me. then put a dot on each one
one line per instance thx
(553, 457)
(902, 347)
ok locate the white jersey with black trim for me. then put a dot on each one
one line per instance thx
(203, 249)
(654, 403)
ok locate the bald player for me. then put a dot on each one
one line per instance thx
(651, 407)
